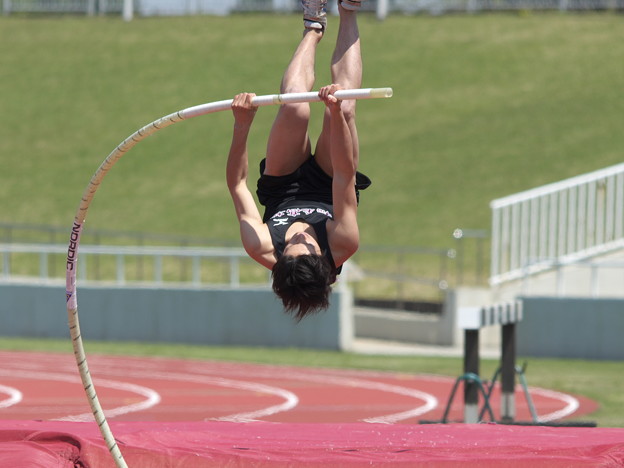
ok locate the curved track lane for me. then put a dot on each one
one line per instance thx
(47, 386)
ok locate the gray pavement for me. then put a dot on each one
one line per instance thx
(395, 348)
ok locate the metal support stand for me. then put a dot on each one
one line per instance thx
(471, 416)
(471, 376)
(471, 320)
(508, 373)
(520, 372)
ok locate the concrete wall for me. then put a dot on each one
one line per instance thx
(406, 327)
(189, 7)
(426, 329)
(584, 328)
(245, 317)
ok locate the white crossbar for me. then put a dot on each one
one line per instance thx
(474, 318)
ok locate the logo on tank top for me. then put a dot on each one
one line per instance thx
(282, 218)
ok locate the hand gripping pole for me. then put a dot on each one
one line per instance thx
(288, 98)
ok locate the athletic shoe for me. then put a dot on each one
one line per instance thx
(352, 5)
(314, 14)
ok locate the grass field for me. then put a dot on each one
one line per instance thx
(484, 106)
(600, 381)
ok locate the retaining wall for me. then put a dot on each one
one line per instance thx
(242, 317)
(582, 328)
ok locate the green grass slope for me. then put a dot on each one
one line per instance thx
(484, 106)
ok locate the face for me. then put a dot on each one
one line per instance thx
(302, 243)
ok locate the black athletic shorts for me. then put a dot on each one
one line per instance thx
(309, 182)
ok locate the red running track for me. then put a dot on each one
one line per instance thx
(182, 413)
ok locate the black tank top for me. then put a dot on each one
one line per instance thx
(313, 213)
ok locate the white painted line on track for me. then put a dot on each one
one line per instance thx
(291, 402)
(430, 401)
(113, 368)
(15, 396)
(152, 397)
(571, 404)
(290, 399)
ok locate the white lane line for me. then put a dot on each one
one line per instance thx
(15, 396)
(113, 368)
(290, 399)
(571, 404)
(152, 397)
(430, 401)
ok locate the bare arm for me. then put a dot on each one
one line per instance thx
(343, 233)
(252, 230)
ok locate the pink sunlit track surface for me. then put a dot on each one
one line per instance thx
(185, 413)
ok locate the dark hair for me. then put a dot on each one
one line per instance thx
(303, 283)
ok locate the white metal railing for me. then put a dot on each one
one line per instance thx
(121, 254)
(569, 220)
(582, 278)
(161, 7)
(89, 7)
(198, 267)
(224, 7)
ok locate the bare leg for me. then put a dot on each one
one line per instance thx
(346, 70)
(289, 143)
